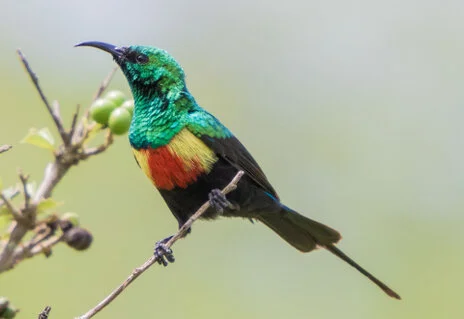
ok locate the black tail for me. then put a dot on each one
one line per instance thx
(306, 234)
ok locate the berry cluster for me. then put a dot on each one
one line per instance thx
(113, 110)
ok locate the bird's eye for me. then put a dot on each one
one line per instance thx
(141, 58)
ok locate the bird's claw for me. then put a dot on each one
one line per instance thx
(219, 201)
(163, 254)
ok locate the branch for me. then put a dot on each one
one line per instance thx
(80, 130)
(16, 213)
(44, 314)
(32, 249)
(54, 172)
(4, 148)
(105, 83)
(68, 154)
(15, 193)
(73, 124)
(138, 271)
(27, 196)
(54, 112)
(99, 149)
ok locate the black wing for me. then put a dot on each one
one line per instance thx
(231, 150)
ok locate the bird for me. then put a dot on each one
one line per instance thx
(189, 155)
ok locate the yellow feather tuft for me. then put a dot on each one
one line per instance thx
(192, 150)
(142, 158)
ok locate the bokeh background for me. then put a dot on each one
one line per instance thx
(353, 108)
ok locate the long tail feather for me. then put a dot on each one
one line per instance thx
(337, 252)
(306, 234)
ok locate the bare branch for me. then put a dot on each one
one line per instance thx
(66, 156)
(101, 148)
(56, 113)
(44, 314)
(27, 196)
(53, 111)
(54, 172)
(105, 83)
(13, 210)
(37, 247)
(80, 129)
(73, 124)
(138, 271)
(15, 193)
(4, 148)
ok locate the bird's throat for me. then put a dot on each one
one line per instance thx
(157, 117)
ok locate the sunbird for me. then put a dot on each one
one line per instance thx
(189, 155)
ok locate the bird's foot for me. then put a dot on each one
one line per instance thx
(163, 254)
(219, 201)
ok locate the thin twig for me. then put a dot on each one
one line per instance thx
(101, 148)
(57, 113)
(138, 271)
(13, 210)
(105, 83)
(36, 248)
(4, 148)
(44, 314)
(56, 117)
(73, 124)
(80, 129)
(27, 196)
(15, 193)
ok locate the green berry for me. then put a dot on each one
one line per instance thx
(101, 110)
(129, 105)
(119, 121)
(117, 97)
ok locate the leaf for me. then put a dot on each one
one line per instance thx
(41, 138)
(47, 205)
(1, 185)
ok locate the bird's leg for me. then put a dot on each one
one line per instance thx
(162, 253)
(219, 201)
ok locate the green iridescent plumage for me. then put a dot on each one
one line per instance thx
(160, 113)
(166, 111)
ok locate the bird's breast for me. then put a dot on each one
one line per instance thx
(178, 163)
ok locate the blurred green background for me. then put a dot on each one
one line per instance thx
(353, 108)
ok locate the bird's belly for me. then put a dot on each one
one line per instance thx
(166, 170)
(177, 164)
(184, 202)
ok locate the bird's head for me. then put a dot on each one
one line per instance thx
(144, 66)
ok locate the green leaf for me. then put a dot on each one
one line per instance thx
(41, 138)
(47, 205)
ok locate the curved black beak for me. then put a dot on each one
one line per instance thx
(116, 52)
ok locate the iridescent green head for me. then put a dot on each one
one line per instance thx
(144, 66)
(161, 98)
